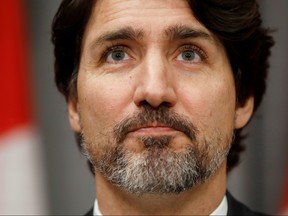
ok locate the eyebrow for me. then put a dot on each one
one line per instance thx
(183, 32)
(125, 33)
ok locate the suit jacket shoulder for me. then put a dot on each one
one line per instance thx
(237, 208)
(90, 212)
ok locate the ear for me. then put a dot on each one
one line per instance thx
(244, 113)
(73, 115)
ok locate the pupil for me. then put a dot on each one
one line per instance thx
(118, 55)
(188, 55)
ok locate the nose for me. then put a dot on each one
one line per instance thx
(156, 83)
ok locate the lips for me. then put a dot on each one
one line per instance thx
(154, 128)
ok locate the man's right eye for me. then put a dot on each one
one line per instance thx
(116, 55)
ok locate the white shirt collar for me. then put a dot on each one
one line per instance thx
(222, 209)
(96, 210)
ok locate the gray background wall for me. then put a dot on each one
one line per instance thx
(258, 181)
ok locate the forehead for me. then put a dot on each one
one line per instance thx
(111, 9)
(150, 15)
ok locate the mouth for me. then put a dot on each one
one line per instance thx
(153, 129)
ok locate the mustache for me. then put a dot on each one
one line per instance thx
(148, 115)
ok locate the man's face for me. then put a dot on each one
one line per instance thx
(156, 101)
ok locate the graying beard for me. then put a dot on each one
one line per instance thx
(158, 169)
(151, 172)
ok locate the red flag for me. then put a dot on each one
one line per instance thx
(15, 106)
(284, 201)
(21, 179)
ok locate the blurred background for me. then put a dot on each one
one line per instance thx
(41, 169)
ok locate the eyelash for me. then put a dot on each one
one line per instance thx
(111, 48)
(195, 49)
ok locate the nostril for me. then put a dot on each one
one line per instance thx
(146, 103)
(143, 103)
(166, 104)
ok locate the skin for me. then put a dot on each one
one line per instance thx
(153, 71)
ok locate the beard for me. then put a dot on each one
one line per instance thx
(157, 168)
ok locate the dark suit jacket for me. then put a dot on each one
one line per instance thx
(237, 208)
(234, 208)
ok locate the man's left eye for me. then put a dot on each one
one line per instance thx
(189, 56)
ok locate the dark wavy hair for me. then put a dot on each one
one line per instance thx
(236, 23)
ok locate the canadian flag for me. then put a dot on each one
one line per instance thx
(21, 172)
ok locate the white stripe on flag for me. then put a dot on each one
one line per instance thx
(22, 189)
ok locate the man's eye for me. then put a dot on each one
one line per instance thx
(191, 54)
(115, 56)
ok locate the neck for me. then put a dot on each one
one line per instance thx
(199, 200)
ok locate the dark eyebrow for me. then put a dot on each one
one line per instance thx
(125, 33)
(182, 32)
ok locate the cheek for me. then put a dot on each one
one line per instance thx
(101, 101)
(211, 106)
